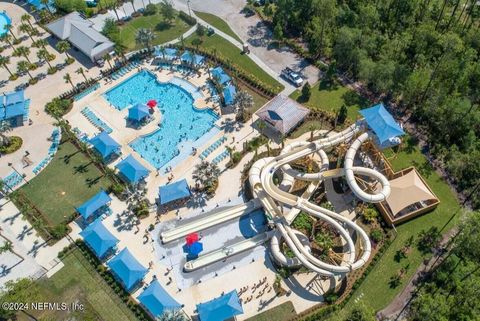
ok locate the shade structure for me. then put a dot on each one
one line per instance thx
(98, 238)
(104, 144)
(222, 308)
(152, 103)
(190, 58)
(88, 208)
(167, 53)
(127, 269)
(191, 238)
(382, 122)
(220, 75)
(407, 190)
(157, 300)
(138, 112)
(132, 170)
(175, 191)
(229, 94)
(13, 104)
(195, 248)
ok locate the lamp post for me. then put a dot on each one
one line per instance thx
(11, 165)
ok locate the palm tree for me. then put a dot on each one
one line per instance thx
(9, 28)
(114, 5)
(68, 79)
(46, 4)
(26, 18)
(41, 43)
(22, 67)
(206, 174)
(80, 71)
(172, 315)
(145, 37)
(24, 51)
(120, 50)
(6, 247)
(107, 58)
(63, 47)
(4, 139)
(8, 39)
(26, 29)
(133, 5)
(163, 51)
(4, 61)
(243, 102)
(43, 54)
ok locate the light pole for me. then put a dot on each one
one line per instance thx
(11, 165)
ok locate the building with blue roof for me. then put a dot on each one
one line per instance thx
(99, 239)
(93, 206)
(220, 309)
(156, 300)
(14, 108)
(131, 170)
(382, 123)
(173, 192)
(105, 145)
(229, 93)
(220, 75)
(138, 112)
(127, 269)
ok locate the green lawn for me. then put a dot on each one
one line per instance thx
(218, 23)
(67, 182)
(375, 290)
(163, 31)
(228, 51)
(282, 312)
(78, 282)
(258, 101)
(332, 98)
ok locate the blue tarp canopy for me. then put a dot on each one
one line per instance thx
(104, 144)
(220, 309)
(220, 75)
(132, 170)
(88, 208)
(229, 94)
(138, 112)
(99, 238)
(13, 104)
(195, 248)
(382, 122)
(190, 58)
(127, 269)
(174, 191)
(169, 53)
(157, 300)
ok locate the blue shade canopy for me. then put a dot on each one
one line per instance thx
(170, 53)
(188, 57)
(173, 192)
(229, 94)
(132, 170)
(220, 309)
(381, 122)
(157, 300)
(88, 208)
(127, 269)
(104, 144)
(13, 104)
(138, 112)
(99, 238)
(195, 248)
(220, 75)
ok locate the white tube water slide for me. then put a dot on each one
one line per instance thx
(271, 196)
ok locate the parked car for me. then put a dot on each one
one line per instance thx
(292, 76)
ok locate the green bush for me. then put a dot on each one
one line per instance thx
(58, 107)
(117, 189)
(150, 9)
(59, 231)
(185, 17)
(376, 235)
(15, 144)
(71, 5)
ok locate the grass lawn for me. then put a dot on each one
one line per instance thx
(332, 98)
(375, 290)
(282, 312)
(67, 182)
(78, 282)
(157, 23)
(218, 23)
(228, 51)
(258, 101)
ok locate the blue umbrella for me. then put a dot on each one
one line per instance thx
(195, 248)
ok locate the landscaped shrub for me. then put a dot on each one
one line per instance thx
(71, 5)
(185, 17)
(14, 145)
(59, 231)
(150, 10)
(376, 235)
(58, 107)
(117, 189)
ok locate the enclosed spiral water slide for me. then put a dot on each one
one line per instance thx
(275, 199)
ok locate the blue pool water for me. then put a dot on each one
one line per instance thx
(4, 21)
(181, 122)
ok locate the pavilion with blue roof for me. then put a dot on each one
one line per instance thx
(173, 192)
(156, 300)
(132, 170)
(222, 308)
(191, 58)
(105, 145)
(127, 269)
(93, 206)
(229, 93)
(99, 239)
(168, 53)
(138, 112)
(14, 108)
(382, 123)
(220, 75)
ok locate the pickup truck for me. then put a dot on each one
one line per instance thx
(292, 76)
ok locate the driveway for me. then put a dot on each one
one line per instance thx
(253, 31)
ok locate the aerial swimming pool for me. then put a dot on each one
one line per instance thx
(181, 125)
